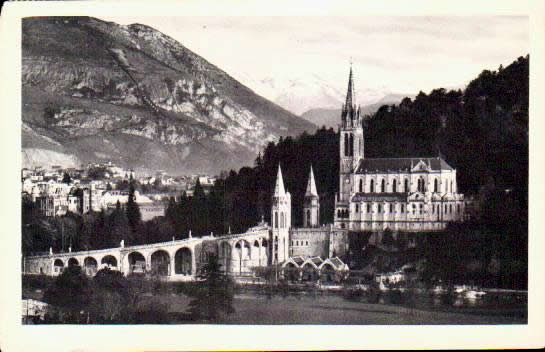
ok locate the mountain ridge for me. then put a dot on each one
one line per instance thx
(111, 86)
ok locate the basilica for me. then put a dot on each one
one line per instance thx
(399, 194)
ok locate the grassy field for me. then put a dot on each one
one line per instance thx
(332, 309)
(324, 308)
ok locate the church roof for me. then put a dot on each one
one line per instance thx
(311, 185)
(400, 164)
(279, 190)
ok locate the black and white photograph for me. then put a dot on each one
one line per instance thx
(361, 170)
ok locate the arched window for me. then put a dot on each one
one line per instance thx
(394, 186)
(420, 186)
(282, 220)
(406, 185)
(346, 144)
(361, 185)
(308, 217)
(372, 186)
(275, 219)
(357, 208)
(435, 186)
(383, 186)
(351, 144)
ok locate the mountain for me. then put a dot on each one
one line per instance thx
(97, 91)
(332, 117)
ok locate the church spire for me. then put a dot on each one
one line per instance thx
(311, 186)
(350, 94)
(279, 190)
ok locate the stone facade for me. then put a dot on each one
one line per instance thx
(397, 194)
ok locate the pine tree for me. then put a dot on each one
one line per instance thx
(217, 294)
(133, 211)
(66, 178)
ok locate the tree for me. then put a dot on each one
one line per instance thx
(133, 211)
(71, 294)
(215, 297)
(66, 178)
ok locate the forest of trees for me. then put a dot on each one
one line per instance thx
(481, 131)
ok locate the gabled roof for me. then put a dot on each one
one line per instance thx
(400, 164)
(335, 262)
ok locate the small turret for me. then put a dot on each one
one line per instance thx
(311, 208)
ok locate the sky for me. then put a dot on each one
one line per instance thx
(389, 54)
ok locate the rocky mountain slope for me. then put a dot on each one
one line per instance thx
(97, 91)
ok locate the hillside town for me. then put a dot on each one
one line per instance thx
(57, 191)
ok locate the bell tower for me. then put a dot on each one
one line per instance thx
(351, 151)
(281, 220)
(311, 208)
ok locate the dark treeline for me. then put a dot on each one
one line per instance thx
(239, 200)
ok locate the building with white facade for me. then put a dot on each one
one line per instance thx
(397, 194)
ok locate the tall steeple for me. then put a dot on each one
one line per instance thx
(279, 190)
(311, 185)
(350, 93)
(280, 220)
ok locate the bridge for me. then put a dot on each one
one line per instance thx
(177, 260)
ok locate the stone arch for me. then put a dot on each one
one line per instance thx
(243, 249)
(327, 273)
(58, 266)
(160, 262)
(309, 272)
(183, 261)
(224, 255)
(291, 272)
(109, 261)
(137, 263)
(73, 262)
(91, 265)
